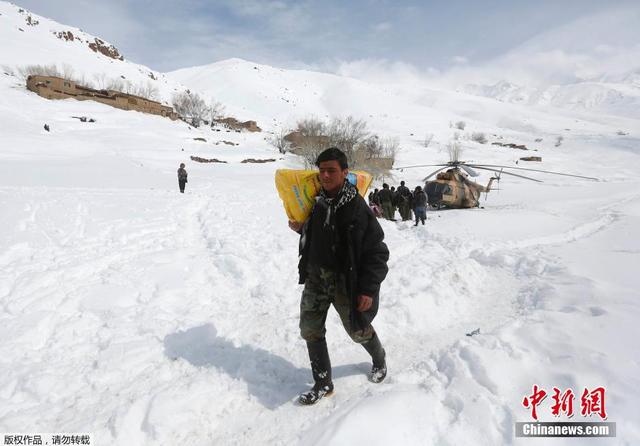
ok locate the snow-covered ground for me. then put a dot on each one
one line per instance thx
(150, 317)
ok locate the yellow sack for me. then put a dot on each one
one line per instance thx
(298, 189)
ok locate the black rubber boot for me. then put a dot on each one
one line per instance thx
(379, 368)
(321, 370)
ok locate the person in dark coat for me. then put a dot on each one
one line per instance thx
(374, 203)
(376, 196)
(343, 261)
(182, 177)
(420, 205)
(394, 202)
(404, 201)
(386, 202)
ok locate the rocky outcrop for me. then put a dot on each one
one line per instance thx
(206, 160)
(253, 160)
(31, 21)
(233, 123)
(65, 35)
(511, 145)
(99, 46)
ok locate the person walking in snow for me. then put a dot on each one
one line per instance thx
(374, 204)
(394, 202)
(420, 205)
(385, 196)
(404, 201)
(343, 261)
(182, 177)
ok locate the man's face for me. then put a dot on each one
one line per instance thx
(332, 176)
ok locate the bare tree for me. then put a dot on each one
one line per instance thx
(371, 147)
(148, 90)
(311, 127)
(190, 106)
(100, 80)
(390, 148)
(460, 125)
(363, 149)
(82, 80)
(116, 85)
(454, 150)
(346, 134)
(40, 70)
(313, 139)
(376, 147)
(67, 71)
(277, 140)
(129, 88)
(215, 111)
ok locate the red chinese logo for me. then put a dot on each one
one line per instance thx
(591, 402)
(562, 403)
(534, 400)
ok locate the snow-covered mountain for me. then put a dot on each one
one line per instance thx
(36, 40)
(621, 99)
(150, 317)
(591, 64)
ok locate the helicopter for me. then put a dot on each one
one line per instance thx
(452, 189)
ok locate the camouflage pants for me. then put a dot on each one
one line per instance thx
(405, 210)
(388, 210)
(321, 289)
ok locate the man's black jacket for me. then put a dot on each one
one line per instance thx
(360, 252)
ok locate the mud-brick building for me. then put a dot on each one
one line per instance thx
(52, 87)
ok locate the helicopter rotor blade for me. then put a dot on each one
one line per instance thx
(508, 173)
(419, 165)
(469, 170)
(536, 170)
(433, 173)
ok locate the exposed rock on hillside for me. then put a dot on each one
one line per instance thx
(206, 160)
(106, 49)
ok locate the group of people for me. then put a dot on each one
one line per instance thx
(384, 203)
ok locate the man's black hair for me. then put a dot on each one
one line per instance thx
(333, 153)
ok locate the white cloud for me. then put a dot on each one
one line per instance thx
(596, 47)
(256, 7)
(382, 27)
(459, 60)
(383, 71)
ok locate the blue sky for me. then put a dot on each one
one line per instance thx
(166, 35)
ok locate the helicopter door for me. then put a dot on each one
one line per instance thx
(435, 191)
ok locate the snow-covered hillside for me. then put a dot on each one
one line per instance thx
(149, 317)
(621, 99)
(29, 39)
